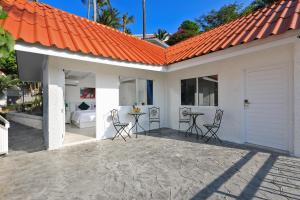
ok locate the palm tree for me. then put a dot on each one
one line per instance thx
(161, 34)
(97, 5)
(126, 19)
(110, 17)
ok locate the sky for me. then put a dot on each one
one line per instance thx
(165, 14)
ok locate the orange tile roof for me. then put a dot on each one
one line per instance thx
(39, 23)
(42, 24)
(272, 20)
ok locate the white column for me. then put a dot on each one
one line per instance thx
(54, 109)
(297, 99)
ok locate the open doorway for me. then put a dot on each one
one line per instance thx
(80, 104)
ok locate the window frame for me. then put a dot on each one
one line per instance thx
(136, 91)
(197, 91)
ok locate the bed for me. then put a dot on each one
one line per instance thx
(84, 118)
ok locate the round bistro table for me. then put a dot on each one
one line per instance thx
(194, 116)
(136, 122)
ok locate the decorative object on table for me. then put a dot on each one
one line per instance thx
(213, 128)
(194, 116)
(154, 116)
(87, 93)
(183, 117)
(136, 124)
(136, 109)
(120, 127)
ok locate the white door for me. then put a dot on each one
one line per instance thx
(266, 107)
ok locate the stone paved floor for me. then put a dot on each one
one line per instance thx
(166, 166)
(23, 139)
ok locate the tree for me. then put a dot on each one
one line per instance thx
(180, 36)
(110, 17)
(190, 26)
(126, 19)
(257, 4)
(7, 42)
(128, 31)
(7, 82)
(215, 18)
(186, 30)
(8, 64)
(98, 5)
(161, 34)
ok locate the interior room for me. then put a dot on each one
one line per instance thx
(80, 107)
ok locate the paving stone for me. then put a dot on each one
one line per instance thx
(156, 166)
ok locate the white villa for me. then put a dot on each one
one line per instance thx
(249, 67)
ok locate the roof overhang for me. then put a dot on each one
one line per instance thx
(258, 45)
(39, 49)
(43, 52)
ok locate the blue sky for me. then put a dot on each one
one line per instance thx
(166, 14)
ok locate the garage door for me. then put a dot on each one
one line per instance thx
(266, 107)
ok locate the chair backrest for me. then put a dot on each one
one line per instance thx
(154, 113)
(182, 113)
(218, 117)
(115, 116)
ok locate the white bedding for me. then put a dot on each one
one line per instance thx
(82, 116)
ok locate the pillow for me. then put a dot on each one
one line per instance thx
(83, 106)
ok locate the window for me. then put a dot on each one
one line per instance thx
(188, 92)
(201, 91)
(135, 91)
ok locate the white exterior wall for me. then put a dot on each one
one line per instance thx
(231, 88)
(297, 99)
(54, 108)
(167, 93)
(107, 93)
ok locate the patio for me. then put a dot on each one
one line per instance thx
(157, 166)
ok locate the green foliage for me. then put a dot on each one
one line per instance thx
(7, 82)
(189, 26)
(110, 17)
(161, 34)
(8, 64)
(257, 4)
(186, 30)
(6, 40)
(216, 18)
(126, 19)
(180, 36)
(128, 31)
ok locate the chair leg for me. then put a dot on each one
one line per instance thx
(205, 134)
(209, 137)
(178, 128)
(217, 137)
(124, 129)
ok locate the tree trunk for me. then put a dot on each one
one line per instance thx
(95, 10)
(124, 27)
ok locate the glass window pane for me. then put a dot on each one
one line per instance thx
(149, 92)
(208, 91)
(188, 91)
(134, 91)
(127, 91)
